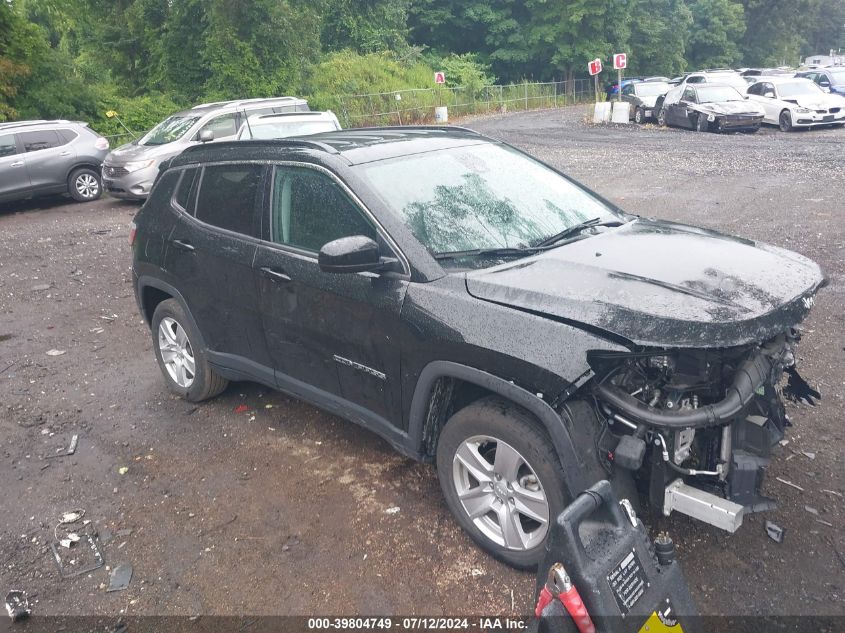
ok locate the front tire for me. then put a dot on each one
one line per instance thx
(84, 185)
(661, 117)
(180, 357)
(502, 479)
(785, 121)
(639, 116)
(701, 123)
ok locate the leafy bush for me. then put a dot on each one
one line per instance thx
(466, 71)
(139, 114)
(348, 73)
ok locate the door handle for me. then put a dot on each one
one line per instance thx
(65, 154)
(275, 275)
(182, 245)
(18, 164)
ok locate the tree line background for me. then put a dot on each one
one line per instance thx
(147, 58)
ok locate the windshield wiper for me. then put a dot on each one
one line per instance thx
(488, 252)
(574, 230)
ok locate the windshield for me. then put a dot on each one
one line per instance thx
(652, 89)
(798, 88)
(715, 94)
(280, 129)
(480, 197)
(171, 129)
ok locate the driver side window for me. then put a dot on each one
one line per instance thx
(309, 209)
(222, 126)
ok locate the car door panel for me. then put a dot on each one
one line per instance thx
(212, 264)
(336, 332)
(14, 179)
(49, 159)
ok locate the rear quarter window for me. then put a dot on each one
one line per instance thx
(66, 135)
(163, 191)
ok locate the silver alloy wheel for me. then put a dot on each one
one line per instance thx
(87, 185)
(502, 497)
(176, 352)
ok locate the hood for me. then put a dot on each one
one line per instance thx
(660, 284)
(133, 152)
(650, 102)
(733, 107)
(817, 102)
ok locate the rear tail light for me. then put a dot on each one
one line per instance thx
(101, 143)
(133, 229)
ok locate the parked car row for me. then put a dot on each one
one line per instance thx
(722, 100)
(68, 157)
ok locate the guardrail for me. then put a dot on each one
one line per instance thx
(416, 106)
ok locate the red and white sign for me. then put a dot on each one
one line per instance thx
(594, 66)
(440, 77)
(620, 61)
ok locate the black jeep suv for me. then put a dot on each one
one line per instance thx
(481, 311)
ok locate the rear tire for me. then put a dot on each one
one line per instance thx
(180, 355)
(85, 185)
(502, 479)
(661, 117)
(785, 121)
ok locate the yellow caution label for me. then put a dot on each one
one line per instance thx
(658, 623)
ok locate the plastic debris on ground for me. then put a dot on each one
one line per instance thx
(775, 532)
(120, 577)
(17, 605)
(55, 352)
(241, 408)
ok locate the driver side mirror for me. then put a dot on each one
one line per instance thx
(206, 136)
(354, 254)
(769, 94)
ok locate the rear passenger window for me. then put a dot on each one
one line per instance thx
(43, 139)
(7, 145)
(183, 191)
(227, 197)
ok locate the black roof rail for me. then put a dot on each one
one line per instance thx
(291, 142)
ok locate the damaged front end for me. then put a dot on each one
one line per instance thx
(696, 426)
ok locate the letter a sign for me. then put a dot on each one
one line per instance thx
(440, 77)
(620, 61)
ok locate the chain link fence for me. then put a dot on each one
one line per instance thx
(413, 107)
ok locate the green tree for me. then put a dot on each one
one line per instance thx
(714, 37)
(659, 30)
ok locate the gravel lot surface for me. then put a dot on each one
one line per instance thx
(284, 509)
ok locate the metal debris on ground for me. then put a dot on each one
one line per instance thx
(71, 517)
(42, 287)
(55, 352)
(808, 454)
(17, 605)
(823, 522)
(775, 532)
(98, 561)
(120, 577)
(71, 449)
(789, 483)
(811, 510)
(832, 492)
